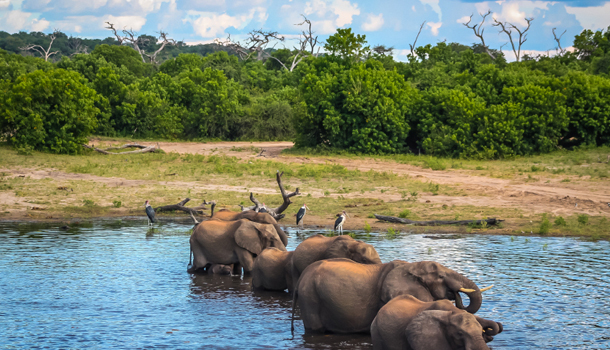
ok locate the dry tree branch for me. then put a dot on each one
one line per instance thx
(417, 37)
(479, 32)
(275, 212)
(560, 51)
(507, 29)
(46, 53)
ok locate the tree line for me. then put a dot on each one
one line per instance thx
(448, 99)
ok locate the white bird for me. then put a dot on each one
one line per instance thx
(301, 214)
(150, 212)
(340, 221)
(608, 205)
(575, 205)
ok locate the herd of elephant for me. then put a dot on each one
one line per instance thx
(341, 285)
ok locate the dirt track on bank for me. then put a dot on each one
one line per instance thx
(553, 197)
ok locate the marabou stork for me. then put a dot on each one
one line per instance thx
(301, 214)
(150, 212)
(340, 221)
(608, 205)
(263, 209)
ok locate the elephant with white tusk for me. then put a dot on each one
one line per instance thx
(231, 242)
(409, 323)
(342, 296)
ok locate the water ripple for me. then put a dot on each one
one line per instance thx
(109, 285)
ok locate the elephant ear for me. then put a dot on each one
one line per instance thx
(247, 237)
(426, 331)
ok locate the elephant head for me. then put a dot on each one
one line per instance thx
(445, 330)
(255, 237)
(429, 281)
(264, 218)
(358, 251)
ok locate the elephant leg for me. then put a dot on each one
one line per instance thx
(309, 304)
(237, 269)
(199, 260)
(246, 260)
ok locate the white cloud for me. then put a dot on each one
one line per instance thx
(4, 3)
(463, 20)
(14, 21)
(511, 13)
(373, 23)
(593, 17)
(78, 28)
(134, 23)
(435, 7)
(324, 27)
(39, 25)
(434, 27)
(343, 11)
(212, 25)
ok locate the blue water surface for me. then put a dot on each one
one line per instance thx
(108, 284)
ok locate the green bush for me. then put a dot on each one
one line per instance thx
(560, 221)
(583, 219)
(358, 108)
(404, 214)
(48, 111)
(545, 225)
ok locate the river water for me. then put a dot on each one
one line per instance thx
(108, 284)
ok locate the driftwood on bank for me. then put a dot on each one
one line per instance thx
(143, 149)
(275, 212)
(180, 206)
(491, 221)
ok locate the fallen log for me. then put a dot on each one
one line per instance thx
(489, 222)
(129, 145)
(143, 150)
(180, 206)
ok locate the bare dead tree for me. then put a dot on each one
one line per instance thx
(44, 53)
(479, 30)
(76, 45)
(164, 42)
(275, 212)
(258, 41)
(412, 47)
(560, 51)
(308, 39)
(382, 50)
(508, 28)
(130, 37)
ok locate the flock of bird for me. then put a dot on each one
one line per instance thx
(150, 213)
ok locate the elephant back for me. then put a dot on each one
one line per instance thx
(269, 269)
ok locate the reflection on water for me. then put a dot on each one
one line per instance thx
(107, 284)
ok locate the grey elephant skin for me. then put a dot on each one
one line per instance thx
(272, 270)
(398, 326)
(220, 269)
(261, 218)
(342, 296)
(231, 242)
(320, 247)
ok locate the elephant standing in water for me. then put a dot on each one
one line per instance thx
(342, 296)
(231, 242)
(320, 247)
(406, 322)
(261, 218)
(272, 270)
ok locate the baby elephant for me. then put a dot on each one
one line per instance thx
(272, 270)
(220, 269)
(408, 323)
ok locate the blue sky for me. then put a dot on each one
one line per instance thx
(389, 22)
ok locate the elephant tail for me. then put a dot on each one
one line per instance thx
(190, 265)
(295, 296)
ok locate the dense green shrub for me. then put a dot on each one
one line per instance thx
(48, 111)
(359, 108)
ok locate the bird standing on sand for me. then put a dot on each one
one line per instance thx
(301, 214)
(608, 205)
(150, 212)
(575, 205)
(340, 221)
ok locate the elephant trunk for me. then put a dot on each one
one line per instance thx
(468, 287)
